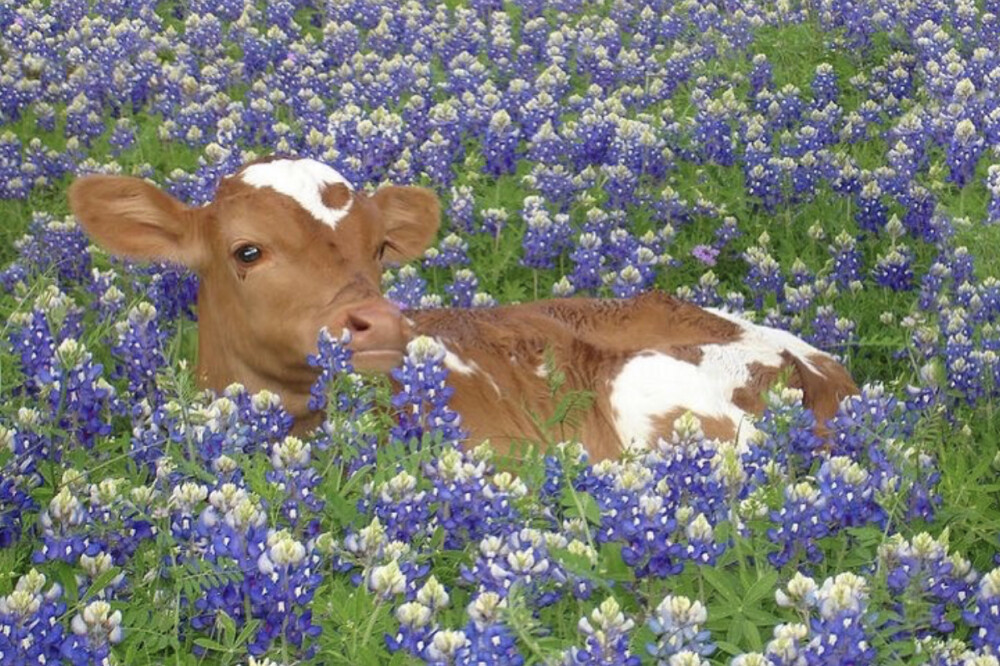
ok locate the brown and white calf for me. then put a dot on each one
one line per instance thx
(288, 246)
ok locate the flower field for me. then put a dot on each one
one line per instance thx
(823, 166)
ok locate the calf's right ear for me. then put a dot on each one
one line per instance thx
(131, 218)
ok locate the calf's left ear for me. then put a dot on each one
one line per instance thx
(132, 218)
(412, 216)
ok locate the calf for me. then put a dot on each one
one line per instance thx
(288, 246)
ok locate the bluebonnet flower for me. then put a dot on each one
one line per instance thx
(461, 209)
(279, 572)
(639, 147)
(761, 75)
(701, 545)
(416, 629)
(872, 213)
(259, 419)
(963, 152)
(77, 393)
(18, 476)
(95, 629)
(422, 400)
(786, 646)
(824, 86)
(764, 276)
(627, 282)
(545, 238)
(588, 260)
(725, 233)
(435, 157)
(678, 625)
(63, 534)
(296, 479)
(402, 509)
(283, 598)
(139, 346)
(991, 125)
(706, 292)
(555, 183)
(463, 288)
(606, 633)
(494, 220)
(519, 561)
(993, 185)
(850, 493)
(621, 185)
(451, 251)
(839, 631)
(171, 289)
(984, 616)
(408, 288)
(333, 358)
(53, 245)
(713, 133)
(500, 144)
(547, 146)
(762, 176)
(921, 569)
(470, 505)
(847, 259)
(802, 519)
(29, 628)
(893, 270)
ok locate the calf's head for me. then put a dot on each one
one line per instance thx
(286, 247)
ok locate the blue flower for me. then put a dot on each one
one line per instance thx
(606, 638)
(678, 624)
(30, 631)
(422, 400)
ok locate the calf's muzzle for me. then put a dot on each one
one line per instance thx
(379, 334)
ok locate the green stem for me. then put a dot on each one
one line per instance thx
(371, 623)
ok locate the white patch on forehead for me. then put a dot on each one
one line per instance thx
(304, 181)
(652, 384)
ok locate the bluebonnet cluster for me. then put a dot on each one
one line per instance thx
(423, 397)
(484, 640)
(606, 642)
(29, 628)
(922, 569)
(679, 627)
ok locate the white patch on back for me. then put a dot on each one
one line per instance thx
(304, 181)
(455, 364)
(765, 344)
(652, 383)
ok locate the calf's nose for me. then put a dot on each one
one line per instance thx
(375, 326)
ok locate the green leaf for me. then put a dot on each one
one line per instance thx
(209, 644)
(761, 588)
(729, 648)
(724, 583)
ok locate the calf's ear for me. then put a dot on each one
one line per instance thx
(132, 218)
(412, 216)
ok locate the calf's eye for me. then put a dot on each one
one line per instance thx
(247, 254)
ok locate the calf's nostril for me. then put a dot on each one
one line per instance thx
(357, 324)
